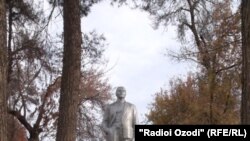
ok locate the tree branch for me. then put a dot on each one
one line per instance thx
(228, 67)
(21, 119)
(51, 88)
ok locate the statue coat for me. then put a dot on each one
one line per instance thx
(127, 122)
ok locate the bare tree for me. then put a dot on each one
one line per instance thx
(208, 42)
(35, 74)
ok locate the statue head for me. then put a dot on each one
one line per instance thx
(120, 92)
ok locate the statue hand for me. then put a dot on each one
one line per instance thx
(108, 131)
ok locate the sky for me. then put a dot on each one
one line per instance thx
(136, 52)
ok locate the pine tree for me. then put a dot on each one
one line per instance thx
(69, 98)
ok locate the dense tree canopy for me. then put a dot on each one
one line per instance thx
(185, 103)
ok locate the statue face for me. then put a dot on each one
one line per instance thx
(120, 92)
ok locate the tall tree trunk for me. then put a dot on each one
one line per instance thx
(66, 130)
(10, 22)
(211, 87)
(34, 137)
(3, 72)
(245, 102)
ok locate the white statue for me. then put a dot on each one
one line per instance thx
(120, 118)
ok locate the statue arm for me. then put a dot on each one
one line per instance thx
(105, 121)
(135, 119)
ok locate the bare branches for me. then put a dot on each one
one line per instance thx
(22, 119)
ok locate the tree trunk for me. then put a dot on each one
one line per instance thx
(245, 102)
(34, 137)
(211, 87)
(66, 130)
(3, 72)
